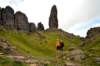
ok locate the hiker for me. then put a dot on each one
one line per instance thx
(59, 45)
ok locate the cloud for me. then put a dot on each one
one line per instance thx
(82, 27)
(4, 3)
(89, 9)
(15, 2)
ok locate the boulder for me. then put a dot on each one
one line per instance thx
(77, 55)
(40, 26)
(32, 27)
(21, 22)
(53, 20)
(7, 17)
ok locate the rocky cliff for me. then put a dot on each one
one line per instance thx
(21, 22)
(17, 21)
(7, 17)
(40, 26)
(32, 27)
(93, 32)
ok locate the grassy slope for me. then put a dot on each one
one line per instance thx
(37, 45)
(5, 61)
(92, 49)
(43, 44)
(92, 46)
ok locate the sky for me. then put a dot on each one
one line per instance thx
(74, 16)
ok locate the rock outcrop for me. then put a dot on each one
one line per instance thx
(7, 17)
(32, 27)
(17, 21)
(93, 32)
(53, 20)
(21, 22)
(40, 26)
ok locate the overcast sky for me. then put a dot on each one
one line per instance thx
(75, 16)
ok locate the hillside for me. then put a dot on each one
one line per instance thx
(91, 46)
(21, 41)
(24, 44)
(41, 44)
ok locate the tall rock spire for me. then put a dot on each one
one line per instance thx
(53, 20)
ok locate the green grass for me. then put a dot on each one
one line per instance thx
(5, 61)
(42, 45)
(92, 49)
(92, 46)
(34, 44)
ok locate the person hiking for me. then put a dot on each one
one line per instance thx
(59, 45)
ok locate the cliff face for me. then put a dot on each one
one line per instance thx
(32, 27)
(93, 32)
(0, 15)
(7, 17)
(11, 20)
(21, 22)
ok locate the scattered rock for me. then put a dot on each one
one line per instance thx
(4, 46)
(97, 59)
(77, 55)
(40, 26)
(53, 20)
(71, 64)
(4, 43)
(21, 22)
